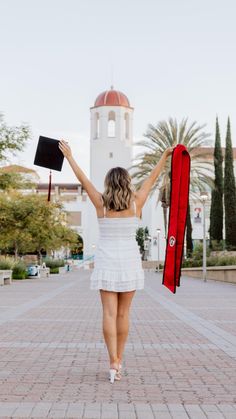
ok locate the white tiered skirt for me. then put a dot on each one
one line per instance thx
(117, 266)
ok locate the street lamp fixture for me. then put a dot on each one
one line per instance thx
(203, 198)
(158, 250)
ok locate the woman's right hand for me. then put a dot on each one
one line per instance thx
(65, 149)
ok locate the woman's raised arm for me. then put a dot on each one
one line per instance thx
(143, 192)
(94, 195)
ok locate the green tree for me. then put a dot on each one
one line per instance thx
(141, 236)
(47, 229)
(216, 212)
(166, 134)
(30, 224)
(229, 193)
(12, 139)
(78, 247)
(10, 181)
(15, 216)
(63, 236)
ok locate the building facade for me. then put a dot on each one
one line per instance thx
(111, 145)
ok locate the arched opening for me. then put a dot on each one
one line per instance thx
(111, 124)
(126, 123)
(97, 126)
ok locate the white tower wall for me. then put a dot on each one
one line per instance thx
(111, 145)
(109, 151)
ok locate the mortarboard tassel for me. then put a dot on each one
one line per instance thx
(49, 186)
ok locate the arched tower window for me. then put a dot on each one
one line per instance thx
(97, 126)
(126, 122)
(111, 124)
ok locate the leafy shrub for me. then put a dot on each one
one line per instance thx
(6, 263)
(54, 270)
(61, 263)
(211, 261)
(186, 263)
(198, 251)
(190, 263)
(221, 261)
(19, 270)
(54, 263)
(215, 245)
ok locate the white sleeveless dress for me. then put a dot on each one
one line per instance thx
(117, 259)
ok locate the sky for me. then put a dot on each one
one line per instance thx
(172, 58)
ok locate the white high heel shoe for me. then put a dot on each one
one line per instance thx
(118, 373)
(112, 374)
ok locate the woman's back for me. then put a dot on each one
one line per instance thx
(117, 260)
(118, 227)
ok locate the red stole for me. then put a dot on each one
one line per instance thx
(179, 195)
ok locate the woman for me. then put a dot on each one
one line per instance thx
(118, 271)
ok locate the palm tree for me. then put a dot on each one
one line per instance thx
(166, 134)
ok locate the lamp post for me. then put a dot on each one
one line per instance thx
(203, 198)
(158, 250)
(144, 245)
(149, 247)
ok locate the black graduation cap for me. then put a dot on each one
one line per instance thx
(48, 154)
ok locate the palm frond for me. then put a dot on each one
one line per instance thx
(168, 133)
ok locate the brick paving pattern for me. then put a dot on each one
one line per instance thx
(179, 361)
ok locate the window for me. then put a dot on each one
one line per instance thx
(111, 154)
(111, 124)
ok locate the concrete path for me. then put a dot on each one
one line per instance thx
(179, 362)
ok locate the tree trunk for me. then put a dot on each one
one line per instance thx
(16, 251)
(39, 257)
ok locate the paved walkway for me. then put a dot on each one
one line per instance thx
(179, 362)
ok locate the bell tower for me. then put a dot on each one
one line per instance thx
(111, 145)
(111, 137)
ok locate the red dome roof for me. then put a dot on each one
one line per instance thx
(112, 98)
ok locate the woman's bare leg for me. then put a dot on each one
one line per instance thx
(122, 321)
(110, 302)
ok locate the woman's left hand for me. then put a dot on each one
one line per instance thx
(65, 149)
(168, 151)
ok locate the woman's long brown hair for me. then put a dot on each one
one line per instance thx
(118, 189)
